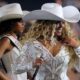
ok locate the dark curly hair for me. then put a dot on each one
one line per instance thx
(6, 26)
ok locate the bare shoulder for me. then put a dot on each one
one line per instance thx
(4, 43)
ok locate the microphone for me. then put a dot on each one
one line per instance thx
(37, 68)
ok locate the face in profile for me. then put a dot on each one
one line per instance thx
(20, 26)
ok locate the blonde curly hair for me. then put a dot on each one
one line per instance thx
(43, 29)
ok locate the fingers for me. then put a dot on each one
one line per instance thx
(71, 42)
(38, 62)
(67, 41)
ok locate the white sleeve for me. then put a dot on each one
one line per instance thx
(77, 50)
(23, 65)
(77, 65)
(31, 52)
(24, 61)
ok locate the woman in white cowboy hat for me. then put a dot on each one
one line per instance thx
(11, 28)
(50, 44)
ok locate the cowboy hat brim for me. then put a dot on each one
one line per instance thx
(41, 15)
(13, 16)
(70, 14)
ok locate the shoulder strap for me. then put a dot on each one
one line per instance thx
(14, 41)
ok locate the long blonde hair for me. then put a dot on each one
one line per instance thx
(43, 29)
(40, 29)
(69, 33)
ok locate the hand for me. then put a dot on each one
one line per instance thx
(37, 62)
(71, 42)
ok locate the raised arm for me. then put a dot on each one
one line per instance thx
(75, 44)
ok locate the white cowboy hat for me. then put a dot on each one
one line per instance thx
(54, 11)
(11, 11)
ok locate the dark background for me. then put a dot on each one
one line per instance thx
(30, 4)
(36, 4)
